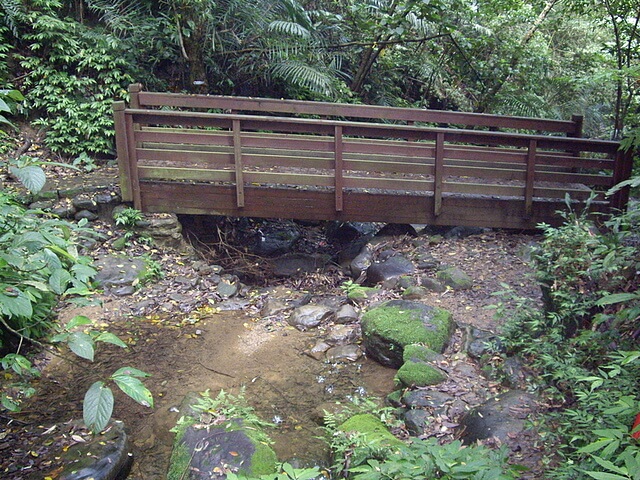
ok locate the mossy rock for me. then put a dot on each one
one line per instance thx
(420, 353)
(361, 294)
(390, 327)
(371, 427)
(419, 374)
(455, 278)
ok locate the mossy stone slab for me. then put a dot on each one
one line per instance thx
(371, 427)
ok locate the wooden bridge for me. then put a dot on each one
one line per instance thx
(253, 157)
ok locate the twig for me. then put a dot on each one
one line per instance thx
(216, 371)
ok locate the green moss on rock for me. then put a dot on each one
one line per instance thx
(419, 374)
(420, 353)
(372, 428)
(387, 329)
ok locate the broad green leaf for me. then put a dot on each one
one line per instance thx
(81, 344)
(132, 372)
(31, 176)
(10, 404)
(4, 106)
(60, 337)
(16, 306)
(135, 389)
(108, 337)
(97, 407)
(77, 321)
(59, 280)
(609, 465)
(595, 446)
(84, 273)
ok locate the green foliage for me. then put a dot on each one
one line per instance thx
(128, 218)
(287, 472)
(38, 262)
(73, 75)
(584, 344)
(9, 100)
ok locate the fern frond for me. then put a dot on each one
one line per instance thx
(289, 28)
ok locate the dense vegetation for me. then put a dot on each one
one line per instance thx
(62, 64)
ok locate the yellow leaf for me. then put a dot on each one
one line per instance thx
(234, 454)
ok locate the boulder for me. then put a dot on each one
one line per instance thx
(419, 374)
(455, 278)
(372, 429)
(393, 267)
(390, 327)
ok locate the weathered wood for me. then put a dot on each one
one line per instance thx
(124, 169)
(335, 169)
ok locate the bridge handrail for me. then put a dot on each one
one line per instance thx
(143, 99)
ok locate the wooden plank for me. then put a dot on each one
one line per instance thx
(299, 107)
(339, 169)
(237, 160)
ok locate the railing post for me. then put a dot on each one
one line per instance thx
(338, 168)
(121, 151)
(621, 172)
(578, 122)
(438, 174)
(237, 160)
(134, 90)
(132, 157)
(531, 176)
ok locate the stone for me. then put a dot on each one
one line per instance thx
(432, 284)
(479, 343)
(502, 417)
(227, 288)
(433, 399)
(391, 268)
(275, 238)
(84, 202)
(350, 353)
(64, 208)
(419, 374)
(309, 316)
(86, 215)
(347, 232)
(455, 278)
(517, 375)
(318, 351)
(398, 230)
(361, 262)
(425, 261)
(387, 329)
(416, 421)
(106, 456)
(420, 353)
(346, 314)
(415, 293)
(273, 306)
(116, 271)
(342, 334)
(463, 232)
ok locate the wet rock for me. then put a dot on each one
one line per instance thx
(433, 399)
(416, 421)
(123, 290)
(228, 286)
(273, 306)
(64, 208)
(375, 433)
(361, 262)
(165, 230)
(455, 278)
(342, 334)
(293, 264)
(502, 418)
(318, 351)
(42, 205)
(432, 284)
(388, 328)
(309, 316)
(425, 261)
(115, 271)
(106, 456)
(346, 314)
(349, 353)
(415, 293)
(391, 268)
(84, 202)
(275, 238)
(233, 304)
(420, 353)
(86, 215)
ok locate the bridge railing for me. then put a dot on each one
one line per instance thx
(274, 166)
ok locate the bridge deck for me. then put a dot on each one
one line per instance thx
(247, 164)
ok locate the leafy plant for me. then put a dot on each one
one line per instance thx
(8, 106)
